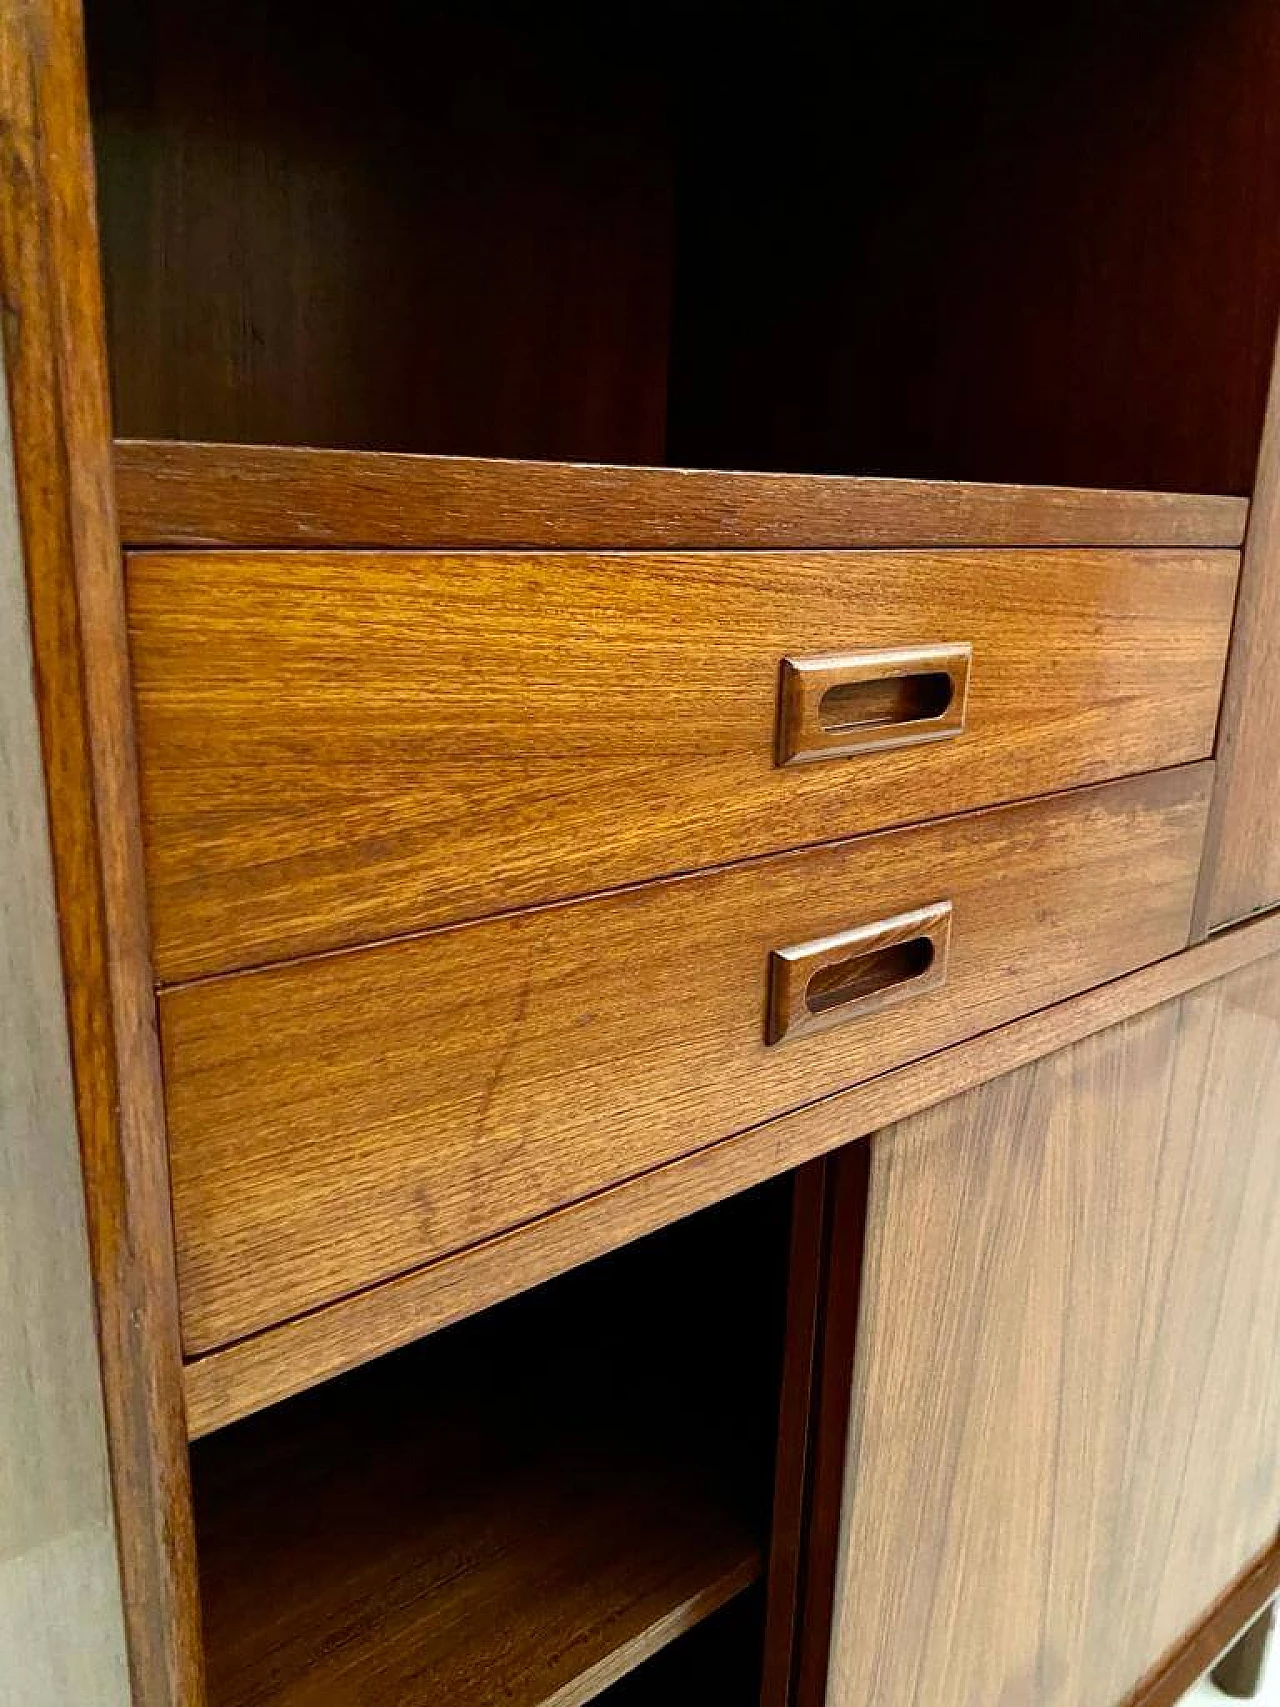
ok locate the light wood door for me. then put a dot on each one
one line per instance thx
(1063, 1419)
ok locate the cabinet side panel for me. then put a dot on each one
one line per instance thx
(52, 328)
(61, 1630)
(1064, 1438)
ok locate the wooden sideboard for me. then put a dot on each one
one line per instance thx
(634, 1081)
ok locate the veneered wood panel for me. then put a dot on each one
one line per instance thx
(978, 240)
(339, 1120)
(810, 1506)
(345, 747)
(806, 1294)
(1242, 855)
(183, 494)
(52, 328)
(1066, 1400)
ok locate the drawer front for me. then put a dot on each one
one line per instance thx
(338, 748)
(339, 1120)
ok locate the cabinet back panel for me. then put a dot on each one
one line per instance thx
(445, 229)
(989, 241)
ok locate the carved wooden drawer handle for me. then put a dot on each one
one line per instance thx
(862, 702)
(837, 978)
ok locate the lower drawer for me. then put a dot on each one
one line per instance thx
(339, 1120)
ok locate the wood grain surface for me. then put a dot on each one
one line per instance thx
(270, 1366)
(823, 1294)
(1063, 1441)
(52, 326)
(830, 1400)
(301, 243)
(185, 494)
(340, 1120)
(806, 1291)
(1033, 285)
(1242, 855)
(344, 747)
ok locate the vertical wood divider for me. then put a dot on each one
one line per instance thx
(826, 1282)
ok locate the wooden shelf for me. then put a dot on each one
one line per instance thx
(518, 1511)
(182, 494)
(443, 1562)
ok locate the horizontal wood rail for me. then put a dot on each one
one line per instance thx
(175, 493)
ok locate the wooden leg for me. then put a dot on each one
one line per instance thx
(1239, 1672)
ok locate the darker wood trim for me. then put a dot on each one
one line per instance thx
(53, 331)
(806, 1272)
(1233, 1614)
(849, 1195)
(259, 1371)
(180, 494)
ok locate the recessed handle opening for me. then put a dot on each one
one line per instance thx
(891, 699)
(839, 705)
(835, 979)
(868, 974)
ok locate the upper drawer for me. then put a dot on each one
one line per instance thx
(344, 746)
(341, 1119)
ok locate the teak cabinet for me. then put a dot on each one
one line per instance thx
(641, 965)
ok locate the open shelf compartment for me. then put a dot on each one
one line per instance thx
(522, 1509)
(992, 242)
